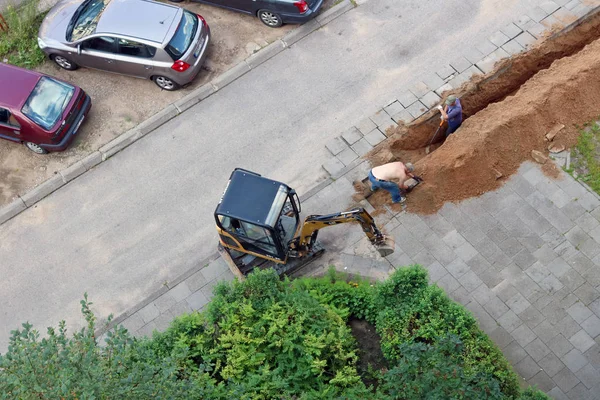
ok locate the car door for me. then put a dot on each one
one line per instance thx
(10, 128)
(134, 58)
(245, 6)
(98, 52)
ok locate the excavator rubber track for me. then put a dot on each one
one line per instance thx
(243, 264)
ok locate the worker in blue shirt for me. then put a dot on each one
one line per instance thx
(452, 113)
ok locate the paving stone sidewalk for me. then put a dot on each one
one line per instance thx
(524, 259)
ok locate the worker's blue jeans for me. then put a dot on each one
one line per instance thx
(394, 189)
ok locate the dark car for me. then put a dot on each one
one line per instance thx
(42, 112)
(273, 13)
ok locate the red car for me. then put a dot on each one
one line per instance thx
(41, 112)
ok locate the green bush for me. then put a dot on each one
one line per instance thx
(270, 339)
(19, 45)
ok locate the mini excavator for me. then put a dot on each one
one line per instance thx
(258, 221)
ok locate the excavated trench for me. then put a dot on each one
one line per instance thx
(507, 114)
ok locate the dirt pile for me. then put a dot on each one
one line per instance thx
(509, 115)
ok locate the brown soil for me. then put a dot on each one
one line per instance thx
(370, 357)
(121, 102)
(507, 112)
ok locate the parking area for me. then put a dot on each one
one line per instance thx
(122, 102)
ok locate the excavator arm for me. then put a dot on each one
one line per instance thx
(309, 230)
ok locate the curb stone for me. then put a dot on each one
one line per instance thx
(12, 209)
(9, 211)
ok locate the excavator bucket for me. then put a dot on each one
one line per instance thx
(386, 247)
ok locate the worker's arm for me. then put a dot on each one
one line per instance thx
(454, 113)
(443, 111)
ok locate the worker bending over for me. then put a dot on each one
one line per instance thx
(452, 113)
(385, 177)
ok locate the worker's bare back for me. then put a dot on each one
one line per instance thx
(395, 171)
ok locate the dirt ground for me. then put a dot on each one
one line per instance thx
(508, 113)
(119, 103)
(370, 357)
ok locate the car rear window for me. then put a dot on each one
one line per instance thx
(85, 19)
(182, 39)
(47, 101)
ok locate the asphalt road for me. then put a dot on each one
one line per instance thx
(145, 216)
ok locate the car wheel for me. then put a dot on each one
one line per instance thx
(65, 63)
(165, 83)
(270, 18)
(36, 148)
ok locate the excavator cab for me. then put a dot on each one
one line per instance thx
(257, 217)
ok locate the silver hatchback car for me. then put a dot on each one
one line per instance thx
(141, 38)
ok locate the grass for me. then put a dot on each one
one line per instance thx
(19, 45)
(586, 157)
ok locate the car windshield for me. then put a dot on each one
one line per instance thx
(85, 19)
(183, 36)
(47, 102)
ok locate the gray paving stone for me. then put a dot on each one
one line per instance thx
(511, 246)
(580, 392)
(513, 47)
(445, 72)
(576, 236)
(180, 308)
(510, 321)
(592, 326)
(431, 99)
(565, 380)
(518, 303)
(473, 55)
(148, 313)
(487, 64)
(333, 166)
(417, 109)
(580, 262)
(336, 146)
(542, 381)
(498, 38)
(545, 331)
(558, 267)
(195, 282)
(365, 126)
(537, 14)
(560, 345)
(394, 108)
(557, 394)
(523, 22)
(361, 147)
(582, 341)
(436, 271)
(551, 364)
(491, 278)
(164, 303)
(448, 283)
(511, 30)
(146, 330)
(484, 320)
(531, 317)
(454, 239)
(549, 7)
(352, 135)
(446, 87)
(181, 291)
(419, 89)
(403, 117)
(560, 198)
(347, 156)
(134, 322)
(572, 4)
(551, 284)
(466, 251)
(197, 300)
(579, 312)
(593, 356)
(501, 337)
(486, 47)
(470, 281)
(568, 326)
(586, 293)
(432, 81)
(545, 255)
(163, 321)
(574, 360)
(587, 222)
(406, 98)
(375, 137)
(573, 210)
(537, 349)
(460, 295)
(482, 294)
(523, 335)
(524, 259)
(527, 368)
(526, 40)
(595, 307)
(514, 352)
(460, 64)
(458, 268)
(382, 120)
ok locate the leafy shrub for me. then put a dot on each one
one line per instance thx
(427, 371)
(534, 394)
(19, 45)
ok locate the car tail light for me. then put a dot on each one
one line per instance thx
(201, 19)
(301, 5)
(180, 66)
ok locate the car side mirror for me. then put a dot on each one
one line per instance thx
(79, 49)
